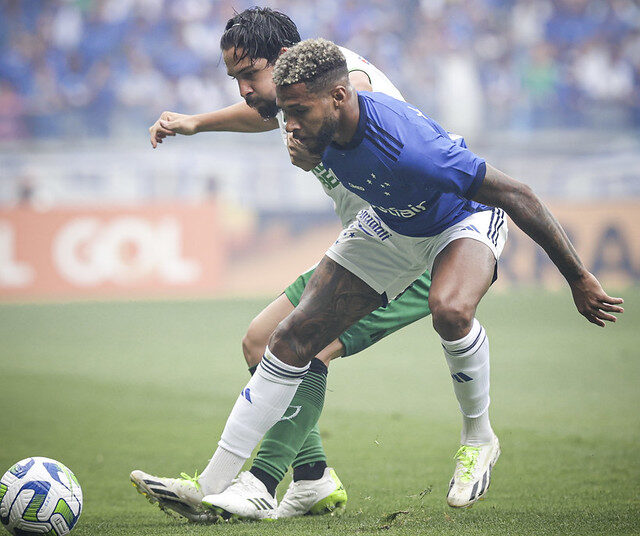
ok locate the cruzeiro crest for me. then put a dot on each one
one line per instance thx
(325, 176)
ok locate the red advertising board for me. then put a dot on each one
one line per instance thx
(191, 251)
(110, 252)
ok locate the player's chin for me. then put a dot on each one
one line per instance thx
(267, 111)
(312, 145)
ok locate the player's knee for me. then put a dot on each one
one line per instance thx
(452, 317)
(286, 344)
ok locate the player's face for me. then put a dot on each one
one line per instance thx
(311, 117)
(254, 79)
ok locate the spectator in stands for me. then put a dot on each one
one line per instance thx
(534, 62)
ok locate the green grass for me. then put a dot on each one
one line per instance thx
(106, 388)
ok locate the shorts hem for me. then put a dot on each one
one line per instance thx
(336, 257)
(458, 236)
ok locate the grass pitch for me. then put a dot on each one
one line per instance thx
(106, 388)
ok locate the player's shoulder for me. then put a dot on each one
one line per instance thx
(416, 137)
(354, 59)
(384, 101)
(378, 80)
(382, 108)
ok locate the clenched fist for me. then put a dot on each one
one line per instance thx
(300, 156)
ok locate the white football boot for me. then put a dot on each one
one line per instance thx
(314, 497)
(180, 495)
(246, 498)
(472, 475)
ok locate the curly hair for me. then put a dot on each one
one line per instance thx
(316, 62)
(260, 32)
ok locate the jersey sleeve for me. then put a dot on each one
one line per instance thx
(439, 163)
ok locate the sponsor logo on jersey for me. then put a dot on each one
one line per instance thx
(372, 225)
(409, 212)
(326, 176)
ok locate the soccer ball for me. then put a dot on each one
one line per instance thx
(39, 496)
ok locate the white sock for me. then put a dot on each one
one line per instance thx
(476, 431)
(220, 471)
(260, 405)
(468, 360)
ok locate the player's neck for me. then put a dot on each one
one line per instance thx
(348, 122)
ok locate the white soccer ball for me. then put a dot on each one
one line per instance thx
(39, 496)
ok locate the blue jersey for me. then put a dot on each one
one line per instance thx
(417, 179)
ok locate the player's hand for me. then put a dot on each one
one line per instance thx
(593, 302)
(170, 124)
(300, 156)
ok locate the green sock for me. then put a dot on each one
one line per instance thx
(311, 450)
(296, 435)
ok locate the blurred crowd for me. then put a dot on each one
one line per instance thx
(105, 68)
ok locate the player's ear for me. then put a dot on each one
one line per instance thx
(282, 51)
(339, 95)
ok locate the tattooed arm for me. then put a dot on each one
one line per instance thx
(533, 217)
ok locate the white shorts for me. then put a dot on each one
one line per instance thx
(389, 262)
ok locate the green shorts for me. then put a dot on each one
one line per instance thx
(409, 306)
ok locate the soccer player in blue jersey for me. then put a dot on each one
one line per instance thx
(433, 204)
(252, 41)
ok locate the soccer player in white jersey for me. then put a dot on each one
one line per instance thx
(251, 42)
(431, 206)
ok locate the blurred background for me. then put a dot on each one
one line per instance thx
(547, 90)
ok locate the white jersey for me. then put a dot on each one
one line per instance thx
(346, 203)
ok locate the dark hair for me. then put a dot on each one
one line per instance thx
(260, 32)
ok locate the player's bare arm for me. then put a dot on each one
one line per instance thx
(238, 117)
(529, 213)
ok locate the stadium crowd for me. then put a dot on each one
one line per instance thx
(109, 67)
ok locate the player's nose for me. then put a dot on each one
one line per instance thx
(245, 89)
(291, 125)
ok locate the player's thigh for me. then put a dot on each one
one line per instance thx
(407, 308)
(333, 299)
(388, 262)
(262, 326)
(462, 273)
(463, 268)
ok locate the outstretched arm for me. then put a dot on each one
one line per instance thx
(238, 117)
(529, 213)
